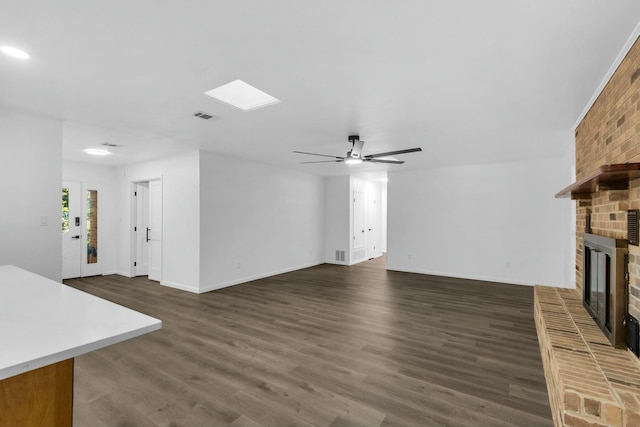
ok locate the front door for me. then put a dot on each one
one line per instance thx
(80, 230)
(71, 230)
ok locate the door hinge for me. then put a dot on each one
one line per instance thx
(135, 264)
(135, 228)
(135, 193)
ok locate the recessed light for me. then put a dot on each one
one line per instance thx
(242, 95)
(14, 52)
(97, 151)
(352, 161)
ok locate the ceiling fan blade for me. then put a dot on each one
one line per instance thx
(392, 153)
(323, 161)
(315, 154)
(393, 162)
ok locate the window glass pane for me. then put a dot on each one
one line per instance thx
(92, 226)
(65, 210)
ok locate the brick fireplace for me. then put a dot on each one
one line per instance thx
(590, 382)
(610, 134)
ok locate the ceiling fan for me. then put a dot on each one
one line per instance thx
(354, 156)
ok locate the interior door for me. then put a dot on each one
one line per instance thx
(358, 219)
(142, 224)
(71, 230)
(372, 225)
(154, 231)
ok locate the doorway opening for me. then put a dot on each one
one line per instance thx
(368, 217)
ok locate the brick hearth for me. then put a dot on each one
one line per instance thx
(590, 383)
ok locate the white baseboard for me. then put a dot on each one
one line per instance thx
(121, 273)
(481, 278)
(180, 286)
(110, 272)
(239, 281)
(463, 276)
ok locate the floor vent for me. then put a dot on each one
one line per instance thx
(340, 256)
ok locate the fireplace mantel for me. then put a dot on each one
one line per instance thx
(607, 177)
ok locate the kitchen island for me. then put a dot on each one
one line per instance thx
(43, 326)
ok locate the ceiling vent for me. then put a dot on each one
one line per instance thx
(206, 116)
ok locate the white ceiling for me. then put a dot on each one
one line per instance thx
(468, 81)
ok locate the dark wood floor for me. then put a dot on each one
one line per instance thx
(325, 346)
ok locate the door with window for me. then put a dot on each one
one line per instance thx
(80, 230)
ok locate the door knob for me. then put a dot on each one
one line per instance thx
(75, 237)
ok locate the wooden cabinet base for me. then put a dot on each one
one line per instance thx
(42, 397)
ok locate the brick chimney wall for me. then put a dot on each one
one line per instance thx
(610, 134)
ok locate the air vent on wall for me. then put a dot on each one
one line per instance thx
(632, 227)
(340, 256)
(206, 116)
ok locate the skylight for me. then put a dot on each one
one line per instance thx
(242, 95)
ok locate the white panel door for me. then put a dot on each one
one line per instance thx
(358, 219)
(142, 225)
(155, 230)
(71, 230)
(372, 225)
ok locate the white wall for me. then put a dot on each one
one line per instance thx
(337, 207)
(31, 176)
(497, 222)
(569, 215)
(106, 177)
(180, 217)
(257, 221)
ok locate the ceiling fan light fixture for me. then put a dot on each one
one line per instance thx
(97, 151)
(14, 52)
(353, 161)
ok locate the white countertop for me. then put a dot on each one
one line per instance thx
(44, 322)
